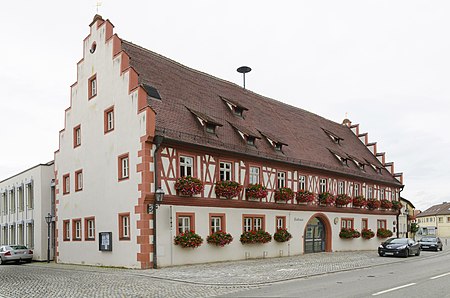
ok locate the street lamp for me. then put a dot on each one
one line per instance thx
(159, 196)
(48, 220)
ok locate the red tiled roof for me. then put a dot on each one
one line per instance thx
(183, 89)
(441, 209)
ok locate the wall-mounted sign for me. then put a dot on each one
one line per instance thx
(298, 219)
(105, 241)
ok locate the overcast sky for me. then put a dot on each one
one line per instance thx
(385, 63)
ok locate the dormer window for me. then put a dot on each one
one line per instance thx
(335, 138)
(151, 91)
(210, 128)
(251, 140)
(246, 134)
(276, 144)
(357, 162)
(234, 107)
(342, 159)
(207, 122)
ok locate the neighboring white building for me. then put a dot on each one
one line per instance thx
(25, 200)
(136, 117)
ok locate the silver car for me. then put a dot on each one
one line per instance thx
(15, 253)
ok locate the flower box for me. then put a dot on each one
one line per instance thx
(326, 199)
(359, 202)
(227, 189)
(348, 233)
(342, 200)
(384, 233)
(188, 239)
(367, 234)
(282, 235)
(188, 186)
(219, 238)
(396, 205)
(283, 194)
(373, 204)
(253, 237)
(386, 204)
(304, 196)
(255, 192)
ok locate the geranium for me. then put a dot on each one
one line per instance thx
(383, 233)
(188, 186)
(227, 189)
(219, 238)
(304, 196)
(373, 204)
(342, 200)
(188, 239)
(325, 198)
(283, 194)
(386, 204)
(367, 233)
(396, 205)
(282, 235)
(348, 233)
(252, 237)
(359, 201)
(255, 191)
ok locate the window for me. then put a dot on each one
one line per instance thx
(382, 194)
(381, 224)
(280, 222)
(20, 198)
(369, 192)
(66, 230)
(186, 166)
(364, 223)
(89, 229)
(77, 136)
(124, 167)
(185, 222)
(20, 234)
(30, 235)
(210, 128)
(108, 120)
(78, 180)
(346, 223)
(66, 184)
(217, 222)
(341, 187)
(12, 234)
(4, 204)
(92, 85)
(5, 235)
(254, 175)
(302, 183)
(441, 219)
(253, 222)
(12, 201)
(76, 229)
(356, 190)
(225, 171)
(448, 219)
(250, 140)
(323, 185)
(124, 226)
(281, 181)
(30, 195)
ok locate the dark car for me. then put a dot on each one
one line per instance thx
(431, 243)
(404, 247)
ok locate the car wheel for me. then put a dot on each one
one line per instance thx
(406, 253)
(381, 254)
(1, 261)
(418, 252)
(440, 248)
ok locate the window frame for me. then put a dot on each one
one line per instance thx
(225, 171)
(221, 216)
(66, 230)
(356, 189)
(345, 221)
(185, 165)
(278, 220)
(77, 136)
(75, 229)
(78, 185)
(191, 217)
(87, 236)
(381, 223)
(261, 217)
(364, 222)
(92, 86)
(122, 226)
(66, 184)
(106, 126)
(302, 182)
(325, 185)
(281, 179)
(120, 160)
(341, 187)
(250, 174)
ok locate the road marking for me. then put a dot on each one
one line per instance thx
(442, 275)
(393, 289)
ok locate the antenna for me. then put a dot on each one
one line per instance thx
(244, 70)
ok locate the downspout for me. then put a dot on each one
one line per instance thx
(398, 213)
(157, 140)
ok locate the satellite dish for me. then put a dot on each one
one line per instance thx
(244, 70)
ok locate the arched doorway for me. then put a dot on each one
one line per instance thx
(317, 236)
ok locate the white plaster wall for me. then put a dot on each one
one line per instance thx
(296, 221)
(103, 196)
(41, 176)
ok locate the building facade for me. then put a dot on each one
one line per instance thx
(26, 198)
(405, 218)
(139, 120)
(435, 220)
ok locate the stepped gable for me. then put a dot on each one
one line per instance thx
(305, 134)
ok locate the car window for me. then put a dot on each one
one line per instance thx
(397, 241)
(18, 247)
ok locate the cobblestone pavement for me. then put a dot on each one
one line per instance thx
(206, 280)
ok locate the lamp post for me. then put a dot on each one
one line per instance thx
(159, 196)
(48, 220)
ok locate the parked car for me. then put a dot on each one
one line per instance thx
(431, 243)
(404, 247)
(15, 253)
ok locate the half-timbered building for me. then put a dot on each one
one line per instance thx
(139, 120)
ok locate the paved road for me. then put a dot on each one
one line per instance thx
(311, 272)
(424, 276)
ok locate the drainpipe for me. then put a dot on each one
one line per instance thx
(399, 211)
(157, 140)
